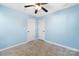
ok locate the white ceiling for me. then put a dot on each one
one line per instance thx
(52, 7)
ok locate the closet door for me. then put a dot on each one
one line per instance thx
(41, 29)
(30, 29)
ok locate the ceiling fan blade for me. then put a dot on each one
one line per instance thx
(36, 11)
(43, 3)
(44, 9)
(28, 6)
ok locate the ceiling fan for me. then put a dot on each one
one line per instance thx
(37, 6)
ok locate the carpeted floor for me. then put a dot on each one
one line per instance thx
(38, 48)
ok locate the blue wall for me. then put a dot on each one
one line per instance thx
(63, 27)
(12, 27)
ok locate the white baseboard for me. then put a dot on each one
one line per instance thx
(73, 49)
(13, 46)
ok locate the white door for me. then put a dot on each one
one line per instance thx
(30, 29)
(41, 29)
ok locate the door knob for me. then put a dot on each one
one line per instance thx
(28, 31)
(44, 31)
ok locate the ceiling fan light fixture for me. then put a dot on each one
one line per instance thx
(37, 7)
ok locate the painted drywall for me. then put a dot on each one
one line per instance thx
(63, 27)
(12, 25)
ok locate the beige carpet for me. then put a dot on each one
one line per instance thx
(38, 48)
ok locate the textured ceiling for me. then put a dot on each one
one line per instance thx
(52, 7)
